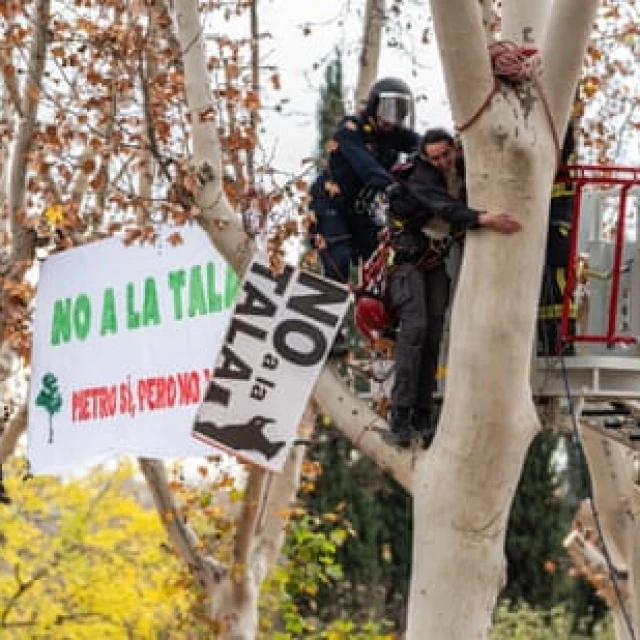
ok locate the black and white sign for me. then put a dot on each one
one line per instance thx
(278, 338)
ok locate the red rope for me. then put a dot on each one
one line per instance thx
(513, 64)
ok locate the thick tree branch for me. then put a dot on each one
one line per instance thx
(374, 19)
(14, 429)
(248, 518)
(217, 219)
(616, 502)
(362, 426)
(22, 238)
(562, 55)
(208, 572)
(22, 247)
(462, 45)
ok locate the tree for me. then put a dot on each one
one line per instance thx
(82, 558)
(465, 483)
(608, 89)
(463, 486)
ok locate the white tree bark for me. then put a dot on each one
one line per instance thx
(525, 23)
(374, 19)
(464, 490)
(217, 217)
(617, 505)
(23, 240)
(362, 426)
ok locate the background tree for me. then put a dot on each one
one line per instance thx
(84, 558)
(548, 495)
(608, 91)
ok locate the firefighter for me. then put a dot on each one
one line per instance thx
(556, 260)
(423, 216)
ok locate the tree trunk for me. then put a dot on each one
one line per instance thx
(464, 487)
(22, 238)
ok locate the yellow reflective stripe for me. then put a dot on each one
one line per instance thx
(554, 311)
(561, 189)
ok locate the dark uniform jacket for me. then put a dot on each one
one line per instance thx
(414, 201)
(359, 157)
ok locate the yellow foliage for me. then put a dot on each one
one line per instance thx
(82, 559)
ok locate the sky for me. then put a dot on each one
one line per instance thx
(291, 134)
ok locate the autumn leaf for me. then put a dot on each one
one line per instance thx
(275, 81)
(175, 239)
(251, 101)
(88, 165)
(54, 215)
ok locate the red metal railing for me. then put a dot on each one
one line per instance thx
(583, 175)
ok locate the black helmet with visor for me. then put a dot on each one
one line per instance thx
(391, 100)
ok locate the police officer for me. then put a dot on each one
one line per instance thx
(423, 216)
(557, 257)
(361, 151)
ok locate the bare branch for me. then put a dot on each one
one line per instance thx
(374, 19)
(217, 218)
(22, 588)
(207, 571)
(23, 141)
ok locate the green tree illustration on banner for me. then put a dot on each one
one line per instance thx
(49, 399)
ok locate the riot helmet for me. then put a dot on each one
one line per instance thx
(391, 100)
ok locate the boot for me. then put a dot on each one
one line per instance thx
(400, 426)
(423, 425)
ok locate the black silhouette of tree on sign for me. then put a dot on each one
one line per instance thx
(49, 399)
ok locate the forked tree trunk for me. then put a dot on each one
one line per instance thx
(463, 487)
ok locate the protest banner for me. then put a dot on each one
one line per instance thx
(279, 336)
(123, 342)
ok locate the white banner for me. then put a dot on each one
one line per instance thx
(278, 339)
(123, 342)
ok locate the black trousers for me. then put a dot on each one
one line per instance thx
(550, 314)
(418, 301)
